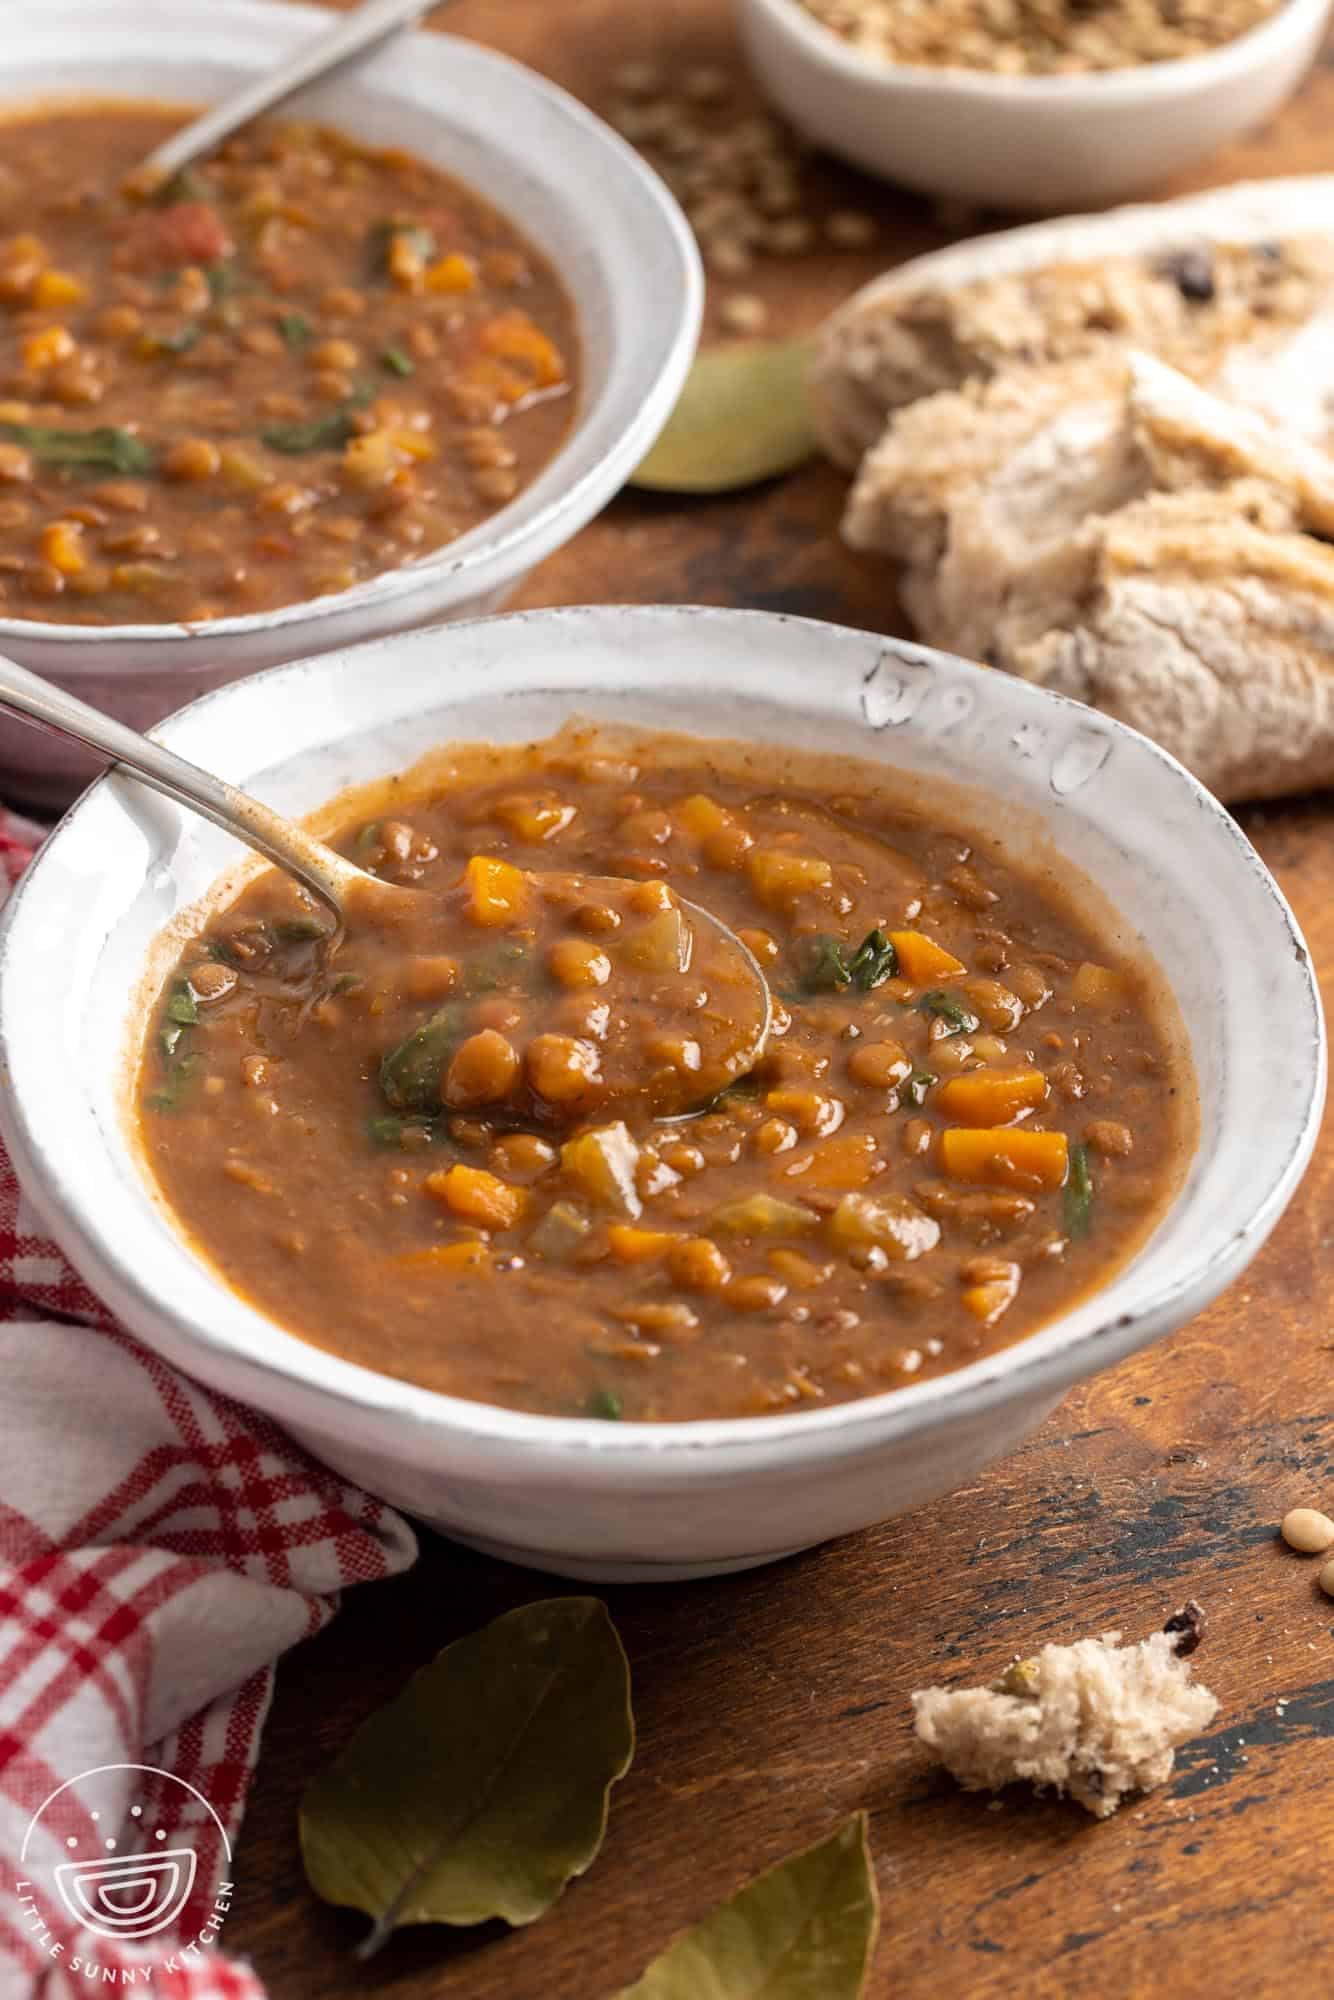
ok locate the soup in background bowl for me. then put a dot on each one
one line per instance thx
(119, 891)
(585, 206)
(295, 366)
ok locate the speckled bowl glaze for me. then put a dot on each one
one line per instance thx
(654, 1500)
(615, 234)
(1041, 143)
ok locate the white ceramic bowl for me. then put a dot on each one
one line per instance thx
(1030, 143)
(654, 1500)
(615, 234)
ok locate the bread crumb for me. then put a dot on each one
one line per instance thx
(1095, 1721)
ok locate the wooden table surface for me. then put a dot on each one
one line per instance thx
(772, 1704)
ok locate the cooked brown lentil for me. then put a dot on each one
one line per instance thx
(280, 366)
(895, 1190)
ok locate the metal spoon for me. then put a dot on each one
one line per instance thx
(354, 34)
(332, 878)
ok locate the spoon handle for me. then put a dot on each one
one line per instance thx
(316, 866)
(350, 35)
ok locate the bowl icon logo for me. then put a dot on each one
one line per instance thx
(129, 1895)
(120, 1847)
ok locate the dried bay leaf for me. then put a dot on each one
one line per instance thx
(742, 417)
(481, 1790)
(803, 1931)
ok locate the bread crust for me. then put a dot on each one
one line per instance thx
(1153, 539)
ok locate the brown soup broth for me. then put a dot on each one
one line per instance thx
(975, 1105)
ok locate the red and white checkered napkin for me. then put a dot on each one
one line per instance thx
(160, 1546)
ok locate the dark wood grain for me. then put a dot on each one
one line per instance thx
(771, 1704)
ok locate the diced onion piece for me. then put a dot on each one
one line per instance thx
(601, 1164)
(892, 1222)
(660, 945)
(762, 1215)
(561, 1233)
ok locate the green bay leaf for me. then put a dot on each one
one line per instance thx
(742, 417)
(803, 1931)
(482, 1789)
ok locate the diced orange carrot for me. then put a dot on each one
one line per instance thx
(57, 288)
(411, 443)
(454, 273)
(430, 977)
(1011, 1158)
(466, 1256)
(849, 1161)
(991, 1096)
(477, 1196)
(533, 816)
(496, 378)
(777, 877)
(404, 260)
(514, 337)
(637, 1246)
(701, 816)
(62, 547)
(44, 349)
(496, 888)
(921, 959)
(988, 1301)
(1096, 986)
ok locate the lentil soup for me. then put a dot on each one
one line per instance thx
(974, 1104)
(301, 363)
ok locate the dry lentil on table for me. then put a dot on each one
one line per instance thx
(304, 363)
(973, 1107)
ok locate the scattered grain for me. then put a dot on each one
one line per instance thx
(638, 79)
(1037, 37)
(728, 256)
(743, 312)
(1308, 1531)
(706, 86)
(850, 229)
(740, 180)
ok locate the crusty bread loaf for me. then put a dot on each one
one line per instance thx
(1061, 503)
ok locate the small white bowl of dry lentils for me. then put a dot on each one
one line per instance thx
(1036, 105)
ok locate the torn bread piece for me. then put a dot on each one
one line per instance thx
(1125, 537)
(1096, 1721)
(1212, 284)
